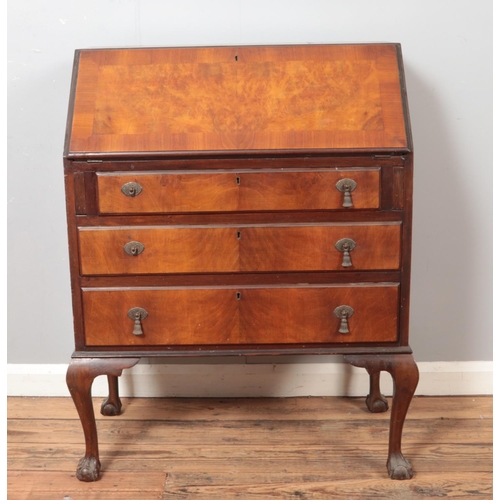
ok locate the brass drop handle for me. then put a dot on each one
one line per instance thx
(137, 314)
(131, 189)
(133, 248)
(346, 186)
(346, 246)
(343, 313)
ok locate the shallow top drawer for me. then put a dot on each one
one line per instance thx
(239, 191)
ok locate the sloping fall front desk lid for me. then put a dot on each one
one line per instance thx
(223, 100)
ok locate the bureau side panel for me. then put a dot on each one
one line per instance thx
(406, 251)
(71, 208)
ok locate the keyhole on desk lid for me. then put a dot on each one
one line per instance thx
(238, 181)
(235, 58)
(238, 295)
(238, 235)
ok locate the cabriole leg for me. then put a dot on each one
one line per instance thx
(112, 405)
(404, 372)
(375, 401)
(79, 378)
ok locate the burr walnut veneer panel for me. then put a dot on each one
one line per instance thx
(238, 98)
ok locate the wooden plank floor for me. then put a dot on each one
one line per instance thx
(256, 448)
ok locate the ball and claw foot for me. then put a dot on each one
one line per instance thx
(111, 409)
(376, 404)
(88, 469)
(398, 467)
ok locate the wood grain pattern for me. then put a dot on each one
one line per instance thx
(74, 258)
(255, 433)
(156, 457)
(242, 433)
(312, 248)
(246, 448)
(239, 249)
(241, 316)
(228, 98)
(181, 316)
(79, 188)
(398, 188)
(44, 485)
(169, 192)
(206, 409)
(233, 191)
(406, 249)
(294, 315)
(320, 486)
(167, 250)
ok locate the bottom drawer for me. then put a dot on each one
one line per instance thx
(241, 315)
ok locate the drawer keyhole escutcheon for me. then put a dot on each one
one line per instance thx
(343, 313)
(131, 189)
(346, 186)
(346, 245)
(137, 314)
(134, 248)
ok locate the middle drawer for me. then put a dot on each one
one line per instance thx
(245, 248)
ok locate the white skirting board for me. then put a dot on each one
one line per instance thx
(254, 380)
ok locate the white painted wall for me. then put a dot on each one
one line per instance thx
(447, 47)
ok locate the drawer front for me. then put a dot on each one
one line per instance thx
(175, 316)
(269, 190)
(295, 315)
(246, 315)
(320, 248)
(166, 250)
(328, 247)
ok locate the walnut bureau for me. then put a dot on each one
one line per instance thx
(239, 201)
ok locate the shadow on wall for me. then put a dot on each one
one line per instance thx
(450, 320)
(289, 376)
(40, 322)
